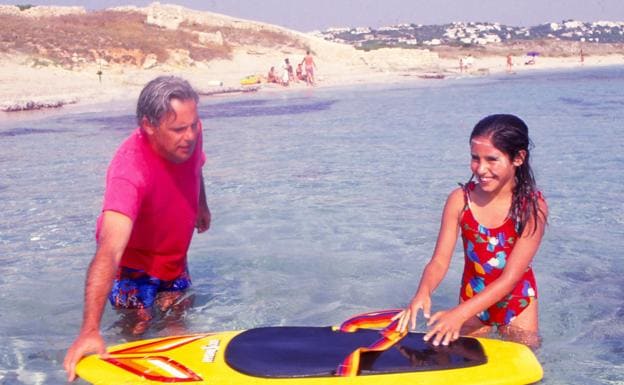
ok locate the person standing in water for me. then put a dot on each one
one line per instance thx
(154, 199)
(501, 217)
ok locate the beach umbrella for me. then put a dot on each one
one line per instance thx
(532, 53)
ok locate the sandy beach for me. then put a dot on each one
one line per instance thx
(29, 83)
(51, 87)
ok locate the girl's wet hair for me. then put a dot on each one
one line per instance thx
(155, 98)
(510, 135)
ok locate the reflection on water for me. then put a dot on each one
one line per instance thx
(326, 204)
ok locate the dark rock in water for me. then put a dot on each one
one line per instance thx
(432, 76)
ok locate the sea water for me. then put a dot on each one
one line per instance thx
(326, 203)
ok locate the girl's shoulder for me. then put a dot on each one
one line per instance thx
(456, 200)
(540, 201)
(462, 193)
(540, 196)
(542, 205)
(457, 193)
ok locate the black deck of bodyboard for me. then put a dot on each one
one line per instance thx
(282, 352)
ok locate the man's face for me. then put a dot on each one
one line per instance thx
(176, 135)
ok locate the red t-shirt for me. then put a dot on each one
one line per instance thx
(161, 198)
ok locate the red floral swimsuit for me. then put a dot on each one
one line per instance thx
(485, 253)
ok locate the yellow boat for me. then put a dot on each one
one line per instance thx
(309, 356)
(249, 80)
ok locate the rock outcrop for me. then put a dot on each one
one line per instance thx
(175, 36)
(40, 11)
(30, 105)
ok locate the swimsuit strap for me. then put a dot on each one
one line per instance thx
(467, 188)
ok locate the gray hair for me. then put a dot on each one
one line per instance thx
(155, 98)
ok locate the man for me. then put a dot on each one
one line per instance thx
(308, 60)
(153, 201)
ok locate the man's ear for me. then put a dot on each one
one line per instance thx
(519, 159)
(147, 126)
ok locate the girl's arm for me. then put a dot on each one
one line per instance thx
(437, 267)
(446, 325)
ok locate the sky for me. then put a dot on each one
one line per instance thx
(310, 15)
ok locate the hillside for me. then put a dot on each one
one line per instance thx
(134, 36)
(170, 35)
(156, 35)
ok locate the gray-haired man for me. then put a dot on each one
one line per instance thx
(153, 201)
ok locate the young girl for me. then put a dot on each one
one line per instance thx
(501, 216)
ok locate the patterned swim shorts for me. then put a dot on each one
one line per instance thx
(135, 289)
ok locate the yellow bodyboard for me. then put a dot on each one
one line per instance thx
(201, 359)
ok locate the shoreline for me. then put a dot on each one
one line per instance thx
(51, 72)
(53, 90)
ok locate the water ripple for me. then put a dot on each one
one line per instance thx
(20, 131)
(326, 204)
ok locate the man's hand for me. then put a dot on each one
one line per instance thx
(87, 342)
(203, 218)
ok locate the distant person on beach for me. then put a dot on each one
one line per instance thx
(530, 60)
(582, 54)
(287, 74)
(272, 76)
(154, 199)
(291, 71)
(468, 61)
(310, 65)
(509, 63)
(299, 73)
(501, 216)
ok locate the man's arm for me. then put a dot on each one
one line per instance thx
(203, 215)
(114, 235)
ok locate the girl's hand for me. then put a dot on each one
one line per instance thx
(444, 326)
(408, 316)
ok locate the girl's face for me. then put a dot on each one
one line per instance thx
(492, 168)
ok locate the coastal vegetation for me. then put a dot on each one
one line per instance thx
(23, 7)
(127, 37)
(115, 37)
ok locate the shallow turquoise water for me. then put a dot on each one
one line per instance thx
(326, 203)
